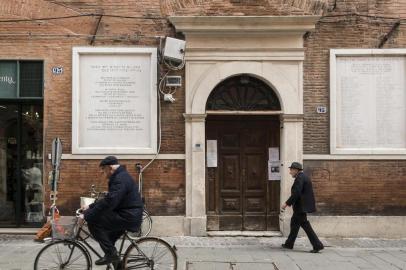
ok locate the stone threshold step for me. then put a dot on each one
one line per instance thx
(19, 230)
(245, 233)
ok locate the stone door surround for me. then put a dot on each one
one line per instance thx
(217, 47)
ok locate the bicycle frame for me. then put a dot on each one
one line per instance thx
(84, 243)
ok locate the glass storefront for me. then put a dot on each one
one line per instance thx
(21, 143)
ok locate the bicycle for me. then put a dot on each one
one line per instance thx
(69, 249)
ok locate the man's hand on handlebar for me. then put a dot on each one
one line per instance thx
(79, 214)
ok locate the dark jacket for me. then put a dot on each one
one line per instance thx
(122, 198)
(302, 196)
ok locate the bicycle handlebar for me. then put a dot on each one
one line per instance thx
(79, 212)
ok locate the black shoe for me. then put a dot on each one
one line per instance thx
(287, 246)
(108, 259)
(316, 250)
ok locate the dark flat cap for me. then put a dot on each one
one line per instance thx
(109, 160)
(296, 165)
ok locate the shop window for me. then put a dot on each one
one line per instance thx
(21, 79)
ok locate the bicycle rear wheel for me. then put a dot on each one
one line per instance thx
(146, 226)
(150, 253)
(62, 254)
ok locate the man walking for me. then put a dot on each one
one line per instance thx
(302, 199)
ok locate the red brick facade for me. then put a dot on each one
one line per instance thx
(342, 187)
(372, 187)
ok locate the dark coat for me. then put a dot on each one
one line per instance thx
(302, 196)
(123, 199)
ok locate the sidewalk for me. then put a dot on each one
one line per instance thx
(247, 253)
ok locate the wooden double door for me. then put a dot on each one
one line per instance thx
(239, 194)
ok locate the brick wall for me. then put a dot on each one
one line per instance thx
(359, 187)
(335, 33)
(349, 187)
(163, 184)
(52, 40)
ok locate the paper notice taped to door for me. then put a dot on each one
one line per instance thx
(274, 170)
(211, 155)
(274, 153)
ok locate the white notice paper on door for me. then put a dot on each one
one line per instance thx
(274, 153)
(211, 155)
(274, 170)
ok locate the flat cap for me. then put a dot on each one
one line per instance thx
(296, 165)
(109, 160)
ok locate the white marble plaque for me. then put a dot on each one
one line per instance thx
(114, 101)
(370, 102)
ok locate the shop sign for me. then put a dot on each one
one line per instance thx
(8, 79)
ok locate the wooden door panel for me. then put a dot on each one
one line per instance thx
(254, 223)
(230, 173)
(255, 139)
(230, 140)
(231, 205)
(230, 223)
(211, 189)
(254, 172)
(255, 205)
(273, 205)
(213, 222)
(240, 195)
(272, 223)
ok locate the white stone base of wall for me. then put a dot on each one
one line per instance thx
(354, 226)
(324, 226)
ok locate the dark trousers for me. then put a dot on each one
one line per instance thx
(300, 220)
(106, 229)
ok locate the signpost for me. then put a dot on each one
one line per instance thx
(56, 156)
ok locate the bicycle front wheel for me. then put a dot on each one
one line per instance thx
(62, 254)
(150, 253)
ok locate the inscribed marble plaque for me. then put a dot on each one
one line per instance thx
(371, 102)
(116, 102)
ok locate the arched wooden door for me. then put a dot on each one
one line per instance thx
(239, 194)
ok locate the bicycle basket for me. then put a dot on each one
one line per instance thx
(64, 227)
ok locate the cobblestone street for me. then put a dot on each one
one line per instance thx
(240, 253)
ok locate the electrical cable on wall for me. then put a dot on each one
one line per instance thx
(172, 66)
(159, 132)
(168, 95)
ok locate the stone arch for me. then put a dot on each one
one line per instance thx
(288, 94)
(243, 93)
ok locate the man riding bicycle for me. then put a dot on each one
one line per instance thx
(120, 210)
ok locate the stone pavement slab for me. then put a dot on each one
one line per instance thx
(240, 253)
(230, 266)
